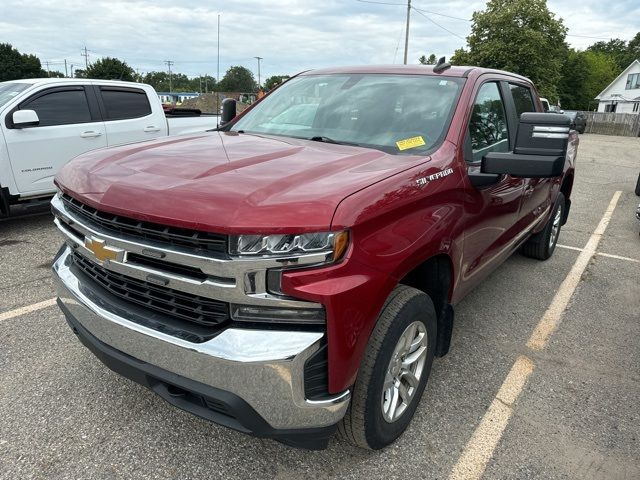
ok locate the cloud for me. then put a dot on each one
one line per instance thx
(291, 35)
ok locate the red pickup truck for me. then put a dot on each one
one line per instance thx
(295, 272)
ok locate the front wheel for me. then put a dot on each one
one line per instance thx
(394, 370)
(542, 245)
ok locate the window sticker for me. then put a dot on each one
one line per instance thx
(412, 142)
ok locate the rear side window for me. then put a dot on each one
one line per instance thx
(60, 107)
(121, 104)
(522, 99)
(488, 126)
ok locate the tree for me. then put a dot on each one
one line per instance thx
(602, 71)
(633, 49)
(109, 68)
(574, 72)
(585, 75)
(237, 79)
(179, 82)
(14, 65)
(521, 36)
(274, 81)
(428, 61)
(614, 48)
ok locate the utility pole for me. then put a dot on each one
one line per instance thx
(48, 72)
(258, 58)
(169, 63)
(218, 61)
(406, 37)
(85, 54)
(65, 68)
(217, 88)
(72, 70)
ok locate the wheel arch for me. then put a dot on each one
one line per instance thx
(434, 276)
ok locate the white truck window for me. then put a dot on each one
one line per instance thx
(60, 107)
(121, 104)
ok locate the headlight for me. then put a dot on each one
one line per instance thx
(289, 245)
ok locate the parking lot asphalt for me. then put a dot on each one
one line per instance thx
(64, 415)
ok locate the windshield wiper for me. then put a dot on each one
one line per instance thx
(323, 139)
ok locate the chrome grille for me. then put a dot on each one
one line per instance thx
(142, 230)
(177, 304)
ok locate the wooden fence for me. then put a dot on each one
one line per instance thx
(622, 124)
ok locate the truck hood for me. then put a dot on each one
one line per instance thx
(228, 182)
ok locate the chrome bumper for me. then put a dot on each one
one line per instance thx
(263, 367)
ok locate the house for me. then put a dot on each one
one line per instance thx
(623, 94)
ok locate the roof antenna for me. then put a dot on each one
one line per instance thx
(441, 66)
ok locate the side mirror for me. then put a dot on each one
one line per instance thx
(540, 149)
(25, 119)
(228, 110)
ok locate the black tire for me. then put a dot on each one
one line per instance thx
(638, 186)
(364, 424)
(540, 246)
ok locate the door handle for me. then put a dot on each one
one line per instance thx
(90, 134)
(528, 191)
(152, 128)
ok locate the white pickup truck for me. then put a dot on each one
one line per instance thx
(44, 123)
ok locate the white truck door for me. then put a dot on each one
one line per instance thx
(68, 127)
(129, 116)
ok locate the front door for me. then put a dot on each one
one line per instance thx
(492, 212)
(67, 128)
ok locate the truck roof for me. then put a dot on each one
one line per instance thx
(453, 71)
(47, 80)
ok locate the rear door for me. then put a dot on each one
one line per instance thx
(70, 124)
(128, 114)
(493, 211)
(537, 191)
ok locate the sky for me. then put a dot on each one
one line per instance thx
(290, 35)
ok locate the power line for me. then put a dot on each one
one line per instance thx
(441, 14)
(380, 3)
(423, 12)
(438, 25)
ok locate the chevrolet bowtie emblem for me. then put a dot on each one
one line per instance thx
(101, 251)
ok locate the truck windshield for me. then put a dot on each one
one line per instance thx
(394, 113)
(8, 90)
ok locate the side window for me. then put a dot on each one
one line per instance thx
(121, 104)
(60, 107)
(488, 125)
(522, 99)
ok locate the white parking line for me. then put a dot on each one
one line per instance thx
(552, 316)
(601, 254)
(568, 247)
(479, 450)
(618, 257)
(480, 447)
(28, 309)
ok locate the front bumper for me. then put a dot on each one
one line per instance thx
(247, 379)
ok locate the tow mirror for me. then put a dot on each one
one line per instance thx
(228, 110)
(25, 119)
(539, 152)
